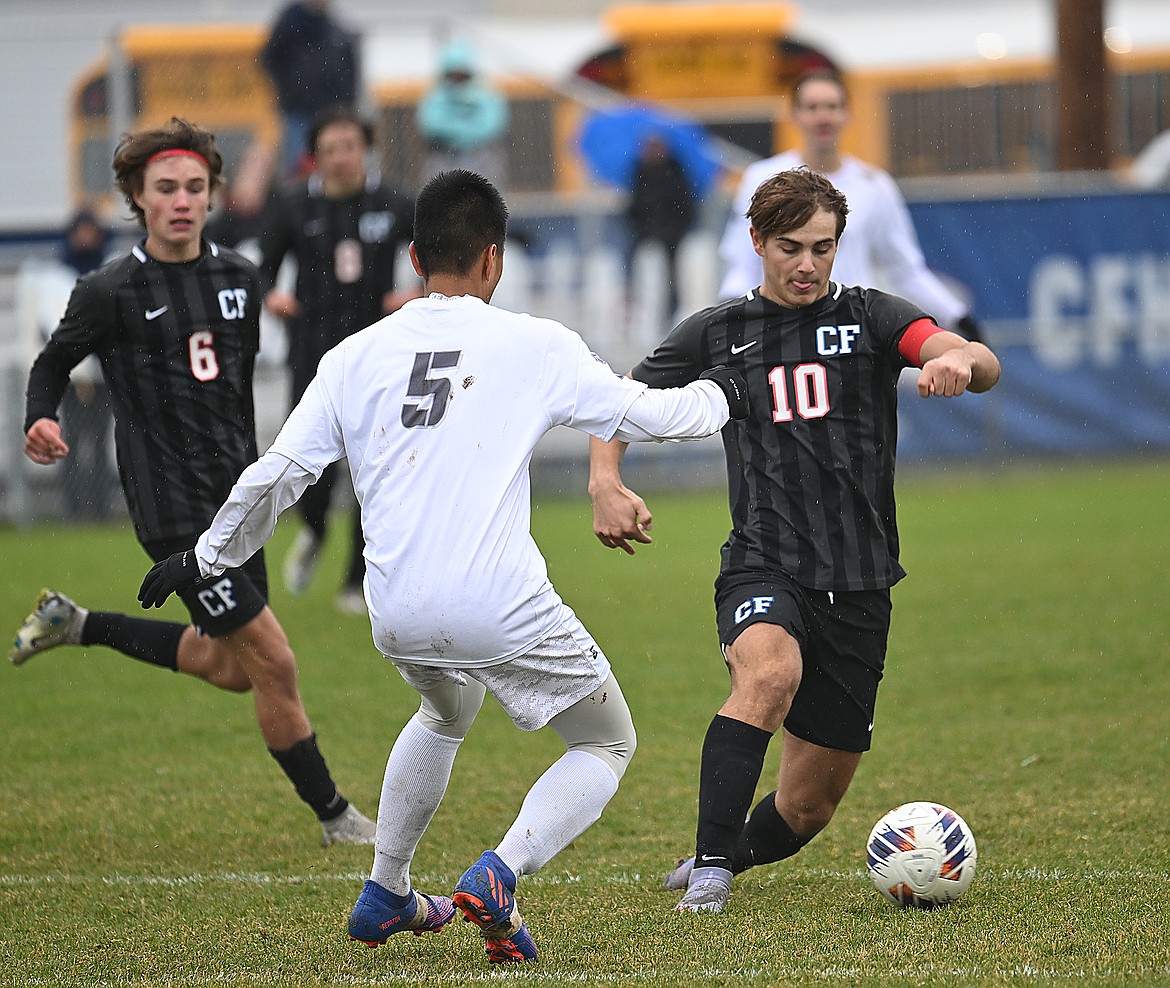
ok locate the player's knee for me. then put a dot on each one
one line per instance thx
(226, 673)
(810, 817)
(453, 724)
(450, 709)
(768, 682)
(615, 751)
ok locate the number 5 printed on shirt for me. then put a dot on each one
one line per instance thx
(430, 394)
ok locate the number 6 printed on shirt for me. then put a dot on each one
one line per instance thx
(201, 348)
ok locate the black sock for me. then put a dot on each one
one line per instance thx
(307, 771)
(766, 837)
(155, 642)
(733, 757)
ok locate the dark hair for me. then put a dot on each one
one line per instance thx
(787, 201)
(135, 150)
(819, 75)
(457, 216)
(337, 115)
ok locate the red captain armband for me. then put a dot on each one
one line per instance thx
(917, 333)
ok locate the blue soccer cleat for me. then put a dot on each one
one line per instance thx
(484, 895)
(374, 918)
(518, 947)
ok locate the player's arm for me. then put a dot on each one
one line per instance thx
(71, 342)
(951, 365)
(742, 265)
(619, 514)
(276, 240)
(241, 527)
(897, 252)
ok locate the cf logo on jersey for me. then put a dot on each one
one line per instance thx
(373, 228)
(753, 605)
(834, 340)
(217, 599)
(233, 302)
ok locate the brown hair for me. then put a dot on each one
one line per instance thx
(134, 152)
(337, 115)
(819, 75)
(788, 200)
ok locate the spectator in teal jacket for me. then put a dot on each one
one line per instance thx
(463, 118)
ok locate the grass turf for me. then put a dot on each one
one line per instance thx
(146, 837)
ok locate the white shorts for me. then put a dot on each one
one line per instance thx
(536, 686)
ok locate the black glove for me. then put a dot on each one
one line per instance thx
(174, 574)
(734, 387)
(969, 329)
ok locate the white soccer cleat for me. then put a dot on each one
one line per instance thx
(56, 620)
(679, 877)
(301, 562)
(351, 827)
(708, 892)
(352, 601)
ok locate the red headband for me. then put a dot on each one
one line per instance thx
(179, 153)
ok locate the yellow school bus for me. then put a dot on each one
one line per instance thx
(209, 73)
(728, 65)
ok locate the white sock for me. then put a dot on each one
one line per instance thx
(562, 805)
(417, 773)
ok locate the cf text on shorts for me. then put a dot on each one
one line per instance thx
(226, 602)
(842, 637)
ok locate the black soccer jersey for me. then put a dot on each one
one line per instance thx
(177, 344)
(811, 471)
(345, 251)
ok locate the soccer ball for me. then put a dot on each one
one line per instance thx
(921, 855)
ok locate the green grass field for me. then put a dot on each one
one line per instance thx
(146, 837)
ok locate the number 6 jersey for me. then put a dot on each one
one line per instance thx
(811, 471)
(177, 343)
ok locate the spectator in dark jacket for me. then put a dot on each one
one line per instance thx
(313, 63)
(662, 207)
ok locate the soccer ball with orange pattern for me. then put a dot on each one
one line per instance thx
(921, 854)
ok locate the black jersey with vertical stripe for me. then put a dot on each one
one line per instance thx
(177, 344)
(811, 470)
(345, 251)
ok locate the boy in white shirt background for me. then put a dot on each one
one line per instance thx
(879, 249)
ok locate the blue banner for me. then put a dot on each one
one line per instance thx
(1075, 293)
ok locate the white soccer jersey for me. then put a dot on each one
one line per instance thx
(878, 248)
(438, 408)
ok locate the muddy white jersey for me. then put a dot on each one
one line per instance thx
(438, 408)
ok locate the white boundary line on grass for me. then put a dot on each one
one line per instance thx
(565, 878)
(834, 974)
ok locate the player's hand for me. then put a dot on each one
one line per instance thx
(174, 574)
(393, 301)
(946, 375)
(282, 304)
(734, 387)
(618, 516)
(43, 443)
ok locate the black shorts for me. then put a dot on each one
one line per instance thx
(842, 637)
(223, 604)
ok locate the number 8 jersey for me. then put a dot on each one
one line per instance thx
(177, 343)
(811, 471)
